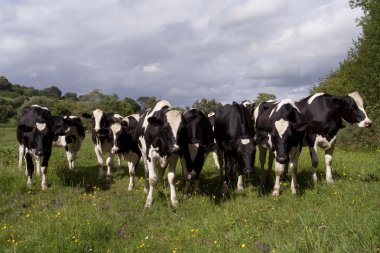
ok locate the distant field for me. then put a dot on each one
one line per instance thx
(79, 213)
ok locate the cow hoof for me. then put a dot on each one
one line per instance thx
(276, 193)
(315, 178)
(240, 188)
(146, 190)
(294, 191)
(44, 187)
(175, 203)
(329, 180)
(130, 188)
(148, 205)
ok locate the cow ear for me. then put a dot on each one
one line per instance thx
(154, 121)
(86, 115)
(25, 128)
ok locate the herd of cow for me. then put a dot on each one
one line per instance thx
(161, 135)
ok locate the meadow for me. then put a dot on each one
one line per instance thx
(81, 213)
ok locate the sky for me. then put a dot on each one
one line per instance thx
(178, 50)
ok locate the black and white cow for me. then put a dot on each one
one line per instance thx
(157, 133)
(196, 140)
(124, 143)
(234, 134)
(72, 139)
(279, 129)
(211, 118)
(36, 130)
(325, 114)
(102, 137)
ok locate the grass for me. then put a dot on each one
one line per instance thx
(79, 213)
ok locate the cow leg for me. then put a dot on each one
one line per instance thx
(29, 168)
(99, 155)
(279, 170)
(171, 176)
(328, 160)
(44, 169)
(38, 165)
(132, 170)
(71, 159)
(21, 154)
(146, 173)
(239, 185)
(152, 182)
(270, 165)
(262, 158)
(184, 177)
(314, 162)
(109, 163)
(216, 161)
(294, 155)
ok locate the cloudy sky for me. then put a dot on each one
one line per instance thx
(179, 50)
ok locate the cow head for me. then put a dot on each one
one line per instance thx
(167, 126)
(121, 137)
(353, 110)
(285, 135)
(101, 121)
(243, 151)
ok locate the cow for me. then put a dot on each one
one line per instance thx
(124, 143)
(195, 140)
(325, 114)
(234, 134)
(102, 137)
(36, 130)
(157, 133)
(280, 130)
(211, 118)
(72, 139)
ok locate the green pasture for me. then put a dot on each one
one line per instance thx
(80, 213)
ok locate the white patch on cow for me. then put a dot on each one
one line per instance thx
(359, 102)
(211, 114)
(174, 119)
(281, 126)
(193, 149)
(73, 117)
(269, 142)
(323, 142)
(247, 103)
(256, 112)
(286, 101)
(97, 115)
(156, 108)
(60, 142)
(311, 99)
(117, 116)
(115, 128)
(136, 116)
(245, 141)
(40, 126)
(45, 108)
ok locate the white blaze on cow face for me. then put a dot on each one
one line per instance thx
(40, 126)
(97, 115)
(286, 101)
(156, 108)
(310, 100)
(281, 126)
(193, 149)
(115, 128)
(359, 102)
(245, 141)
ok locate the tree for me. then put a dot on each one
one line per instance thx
(130, 106)
(207, 106)
(5, 84)
(71, 96)
(52, 92)
(146, 102)
(262, 97)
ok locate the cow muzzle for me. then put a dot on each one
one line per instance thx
(282, 159)
(248, 170)
(191, 175)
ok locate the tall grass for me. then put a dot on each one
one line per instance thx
(79, 213)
